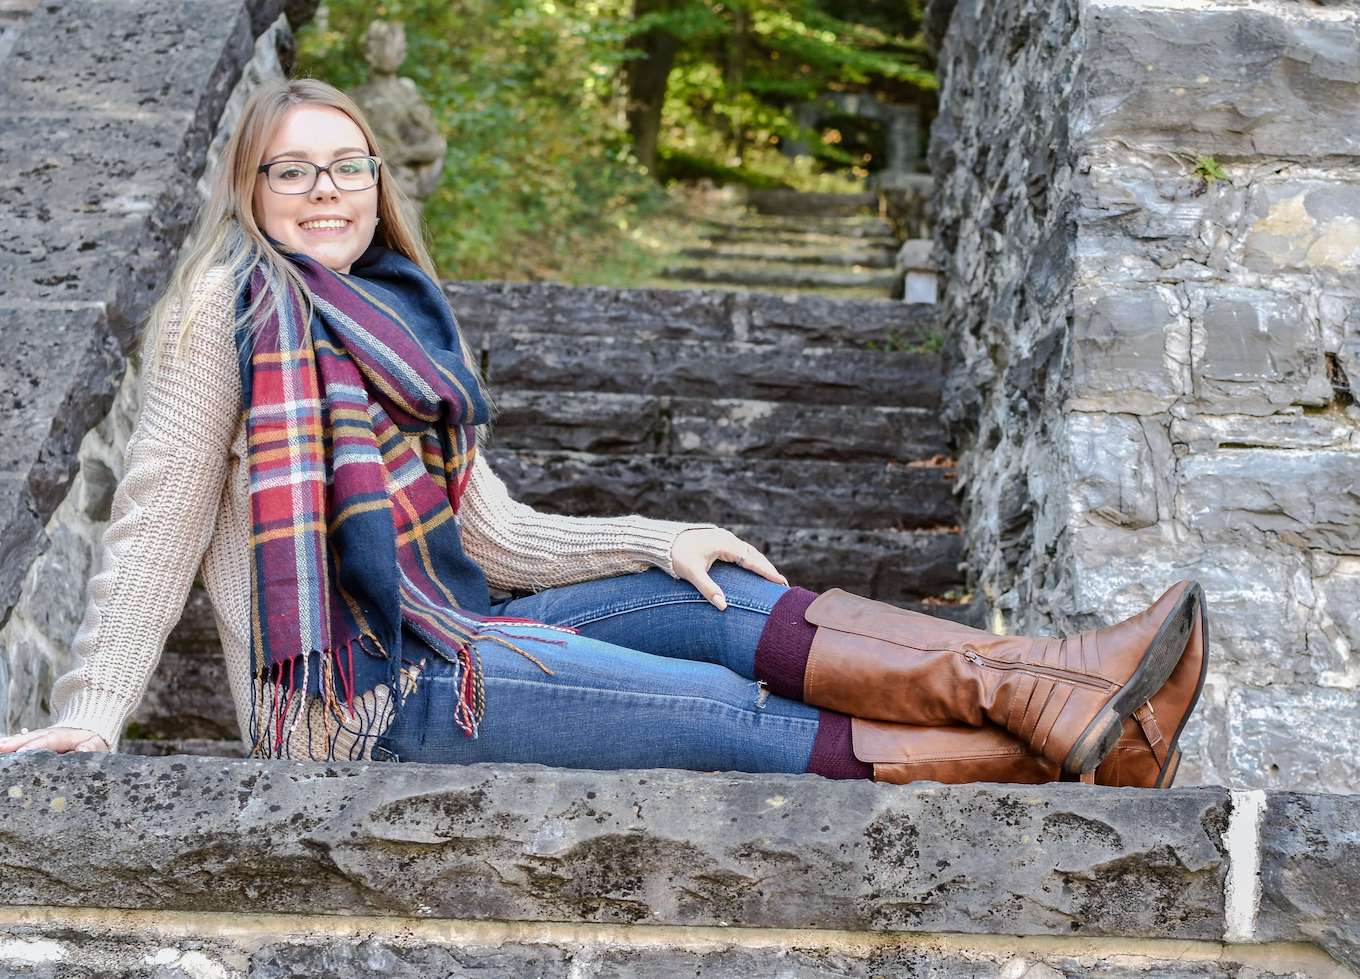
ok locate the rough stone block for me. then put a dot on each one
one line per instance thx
(148, 55)
(1118, 465)
(898, 566)
(1310, 872)
(1289, 428)
(772, 492)
(526, 843)
(1309, 499)
(1150, 220)
(767, 429)
(59, 379)
(808, 375)
(1255, 350)
(1288, 736)
(781, 318)
(1218, 78)
(1303, 226)
(636, 314)
(1121, 340)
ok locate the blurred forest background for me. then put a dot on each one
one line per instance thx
(575, 126)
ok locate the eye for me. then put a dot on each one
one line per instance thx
(351, 167)
(288, 173)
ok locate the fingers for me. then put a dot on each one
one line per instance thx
(58, 739)
(751, 559)
(710, 590)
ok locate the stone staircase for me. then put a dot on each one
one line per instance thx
(804, 424)
(783, 241)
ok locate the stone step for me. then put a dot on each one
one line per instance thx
(805, 275)
(800, 203)
(203, 747)
(903, 567)
(764, 492)
(840, 227)
(867, 257)
(619, 423)
(838, 293)
(807, 375)
(685, 314)
(775, 238)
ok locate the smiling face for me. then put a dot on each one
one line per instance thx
(319, 134)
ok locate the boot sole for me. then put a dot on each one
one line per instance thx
(1161, 657)
(1173, 755)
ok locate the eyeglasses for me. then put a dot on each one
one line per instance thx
(300, 176)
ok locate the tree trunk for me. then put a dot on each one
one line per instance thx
(647, 77)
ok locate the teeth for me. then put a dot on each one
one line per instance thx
(324, 224)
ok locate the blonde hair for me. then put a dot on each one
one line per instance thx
(224, 232)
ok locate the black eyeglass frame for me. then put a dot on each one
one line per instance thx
(377, 172)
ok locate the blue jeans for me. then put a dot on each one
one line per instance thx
(657, 677)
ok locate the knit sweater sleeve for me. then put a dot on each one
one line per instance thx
(162, 518)
(520, 548)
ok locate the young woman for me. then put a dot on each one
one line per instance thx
(308, 440)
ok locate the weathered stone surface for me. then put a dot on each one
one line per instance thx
(1303, 226)
(1283, 736)
(683, 314)
(822, 320)
(822, 205)
(1116, 471)
(104, 119)
(73, 951)
(1255, 348)
(811, 375)
(1119, 348)
(868, 257)
(783, 275)
(1260, 82)
(898, 566)
(1303, 498)
(769, 492)
(589, 421)
(511, 842)
(1150, 309)
(187, 697)
(1310, 872)
(544, 307)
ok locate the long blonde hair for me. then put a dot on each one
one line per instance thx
(224, 232)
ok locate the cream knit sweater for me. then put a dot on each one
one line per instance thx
(183, 505)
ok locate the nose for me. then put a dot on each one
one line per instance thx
(316, 188)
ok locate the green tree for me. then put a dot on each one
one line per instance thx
(726, 73)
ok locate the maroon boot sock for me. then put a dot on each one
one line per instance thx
(786, 640)
(832, 753)
(781, 661)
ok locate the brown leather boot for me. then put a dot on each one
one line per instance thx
(1142, 757)
(1065, 699)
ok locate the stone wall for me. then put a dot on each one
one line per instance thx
(1152, 370)
(103, 158)
(122, 866)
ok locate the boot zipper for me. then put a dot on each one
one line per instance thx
(977, 659)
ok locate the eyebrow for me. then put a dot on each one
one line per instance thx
(300, 155)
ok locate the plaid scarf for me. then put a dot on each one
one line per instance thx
(361, 435)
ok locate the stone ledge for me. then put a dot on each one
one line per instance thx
(665, 847)
(66, 943)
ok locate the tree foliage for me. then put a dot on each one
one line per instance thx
(532, 96)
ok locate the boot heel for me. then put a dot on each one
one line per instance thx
(1162, 655)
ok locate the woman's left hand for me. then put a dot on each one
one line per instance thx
(694, 551)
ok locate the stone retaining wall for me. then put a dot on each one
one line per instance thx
(109, 117)
(1153, 372)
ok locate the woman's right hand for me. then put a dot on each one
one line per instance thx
(57, 739)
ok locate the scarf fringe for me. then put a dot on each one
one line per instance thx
(277, 709)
